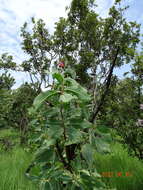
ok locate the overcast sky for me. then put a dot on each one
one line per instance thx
(13, 13)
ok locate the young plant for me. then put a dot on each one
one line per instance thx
(66, 157)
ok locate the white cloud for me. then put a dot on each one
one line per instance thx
(13, 14)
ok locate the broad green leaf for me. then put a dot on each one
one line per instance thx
(65, 98)
(74, 136)
(101, 145)
(86, 124)
(70, 72)
(58, 76)
(33, 178)
(31, 110)
(79, 123)
(88, 153)
(71, 82)
(85, 172)
(52, 112)
(49, 142)
(44, 155)
(104, 132)
(73, 186)
(79, 93)
(107, 137)
(76, 89)
(42, 97)
(55, 131)
(76, 114)
(56, 174)
(47, 185)
(90, 181)
(103, 129)
(75, 123)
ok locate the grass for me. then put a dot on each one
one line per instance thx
(12, 167)
(10, 135)
(14, 163)
(8, 132)
(120, 161)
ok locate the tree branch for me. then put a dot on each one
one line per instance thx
(107, 85)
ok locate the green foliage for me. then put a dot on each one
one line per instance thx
(14, 108)
(66, 156)
(19, 118)
(111, 40)
(14, 163)
(6, 81)
(125, 99)
(6, 105)
(42, 97)
(66, 123)
(6, 62)
(8, 139)
(38, 45)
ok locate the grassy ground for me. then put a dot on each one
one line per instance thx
(12, 167)
(13, 164)
(126, 170)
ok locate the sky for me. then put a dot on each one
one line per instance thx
(13, 14)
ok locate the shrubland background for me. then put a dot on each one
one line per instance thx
(74, 67)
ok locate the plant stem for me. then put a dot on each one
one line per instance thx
(63, 124)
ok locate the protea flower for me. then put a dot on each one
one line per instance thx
(61, 64)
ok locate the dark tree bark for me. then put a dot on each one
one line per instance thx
(107, 86)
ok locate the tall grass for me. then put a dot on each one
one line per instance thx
(12, 168)
(14, 163)
(10, 132)
(120, 161)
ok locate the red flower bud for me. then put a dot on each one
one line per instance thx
(61, 64)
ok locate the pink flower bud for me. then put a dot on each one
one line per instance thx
(61, 64)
